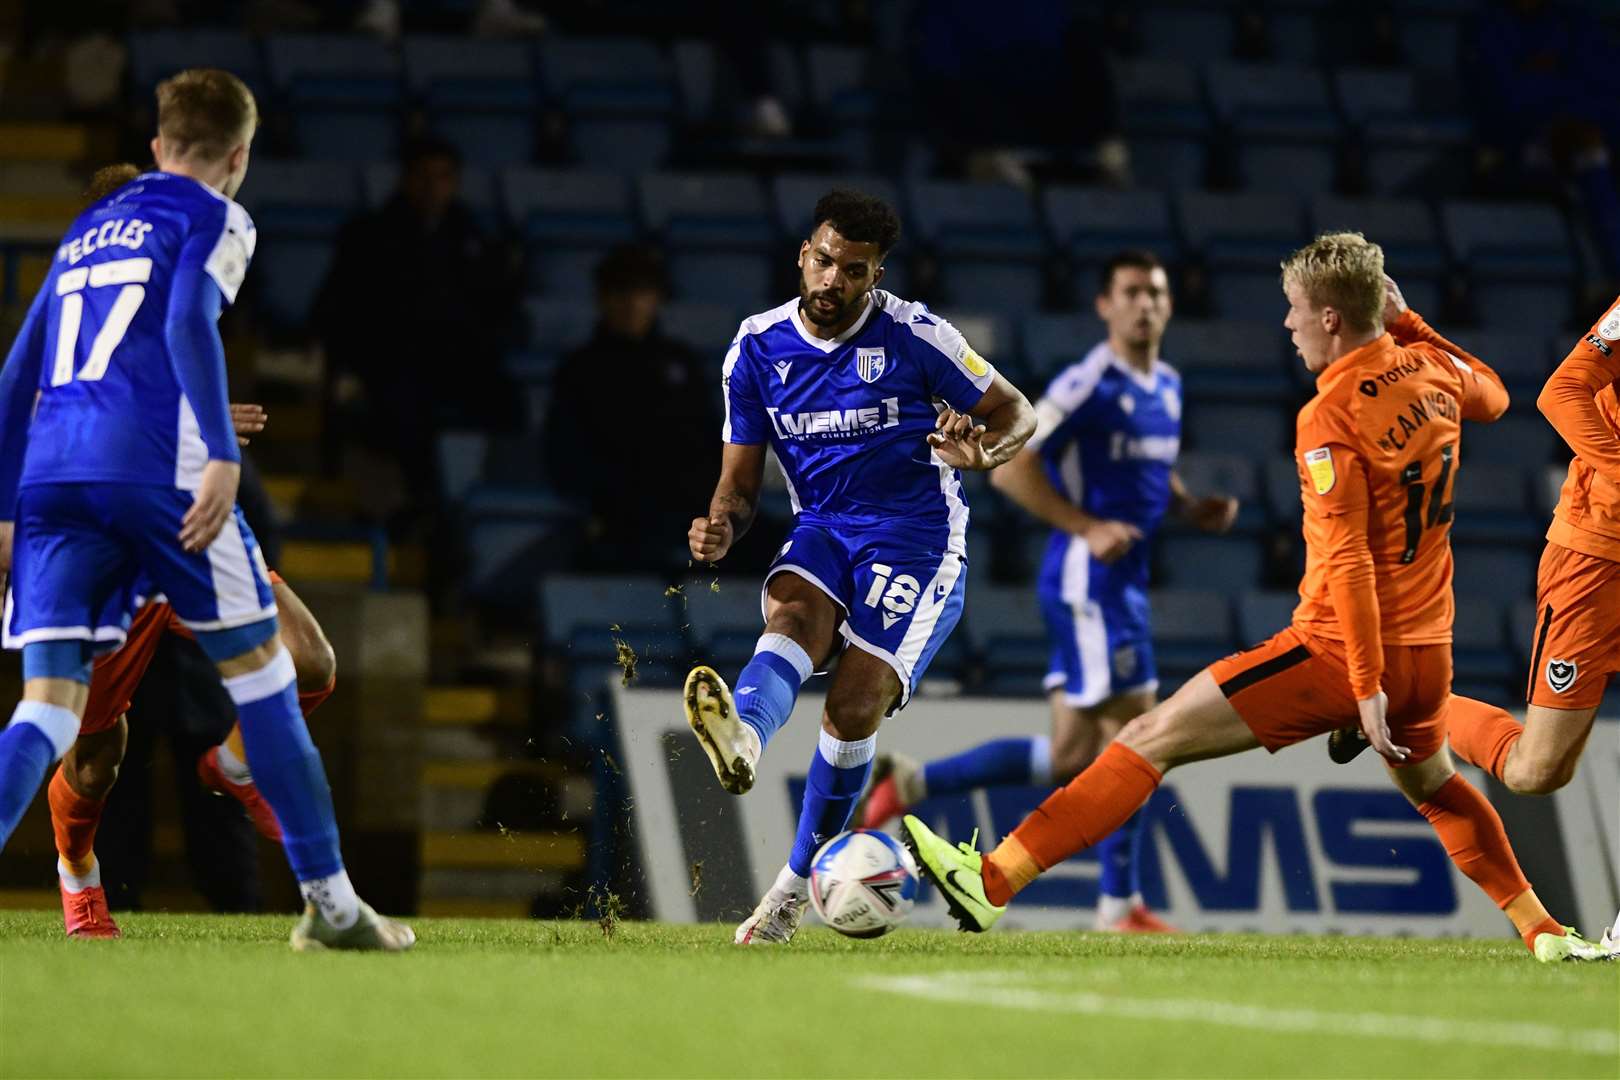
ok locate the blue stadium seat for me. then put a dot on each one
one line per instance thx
(708, 328)
(555, 326)
(736, 279)
(1431, 42)
(1509, 241)
(608, 76)
(1413, 170)
(1281, 477)
(1520, 357)
(1524, 626)
(1262, 614)
(1193, 35)
(1220, 473)
(340, 134)
(577, 605)
(1002, 612)
(504, 555)
(697, 78)
(569, 207)
(1273, 102)
(288, 274)
(1479, 651)
(1237, 428)
(461, 461)
(1513, 305)
(1014, 287)
(1160, 97)
(1226, 564)
(1492, 501)
(1404, 228)
(794, 196)
(994, 221)
(732, 609)
(1092, 223)
(1246, 231)
(155, 55)
(1168, 163)
(712, 211)
(1387, 108)
(1228, 359)
(489, 138)
(1519, 438)
(1250, 294)
(299, 198)
(989, 332)
(1496, 572)
(629, 146)
(1053, 342)
(1288, 168)
(840, 82)
(564, 272)
(458, 72)
(1191, 628)
(334, 70)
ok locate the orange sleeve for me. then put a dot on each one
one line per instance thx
(1338, 530)
(1568, 401)
(1484, 397)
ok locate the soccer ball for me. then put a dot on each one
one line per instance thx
(863, 883)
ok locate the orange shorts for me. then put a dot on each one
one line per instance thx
(1293, 687)
(1577, 636)
(115, 676)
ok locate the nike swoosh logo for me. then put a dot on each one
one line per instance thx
(950, 879)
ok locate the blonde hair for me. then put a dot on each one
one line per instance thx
(108, 179)
(1343, 271)
(206, 112)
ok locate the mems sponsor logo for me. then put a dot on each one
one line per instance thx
(836, 423)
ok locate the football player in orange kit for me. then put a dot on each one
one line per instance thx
(1377, 450)
(1577, 633)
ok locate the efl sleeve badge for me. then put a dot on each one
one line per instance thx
(1319, 463)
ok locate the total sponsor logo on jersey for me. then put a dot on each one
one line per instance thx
(120, 232)
(835, 423)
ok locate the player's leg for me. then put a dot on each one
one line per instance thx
(801, 621)
(1536, 757)
(77, 795)
(1120, 904)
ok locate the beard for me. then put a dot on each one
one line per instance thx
(822, 316)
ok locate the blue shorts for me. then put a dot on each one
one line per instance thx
(1097, 621)
(86, 555)
(900, 598)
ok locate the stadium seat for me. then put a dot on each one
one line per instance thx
(458, 72)
(1416, 170)
(1491, 501)
(1404, 228)
(708, 612)
(1160, 97)
(1091, 224)
(708, 328)
(994, 221)
(1431, 42)
(1053, 342)
(575, 606)
(989, 332)
(299, 198)
(710, 211)
(1191, 628)
(1273, 102)
(1386, 107)
(1228, 359)
(1513, 305)
(555, 326)
(379, 182)
(1519, 356)
(287, 276)
(697, 79)
(1221, 474)
(1192, 35)
(1237, 428)
(794, 197)
(1288, 169)
(1509, 241)
(1479, 650)
(1519, 438)
(564, 272)
(1014, 287)
(339, 134)
(1249, 294)
(567, 207)
(628, 146)
(461, 461)
(993, 612)
(1262, 614)
(489, 138)
(334, 70)
(1226, 564)
(155, 55)
(1168, 163)
(608, 76)
(735, 279)
(1244, 231)
(839, 79)
(1282, 490)
(1495, 572)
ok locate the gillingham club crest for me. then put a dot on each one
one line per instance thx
(869, 364)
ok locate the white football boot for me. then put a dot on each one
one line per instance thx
(776, 918)
(733, 747)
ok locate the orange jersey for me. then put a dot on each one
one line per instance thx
(1579, 401)
(1378, 450)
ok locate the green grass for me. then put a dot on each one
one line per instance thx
(223, 996)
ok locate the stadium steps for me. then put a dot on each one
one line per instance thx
(350, 562)
(557, 849)
(22, 141)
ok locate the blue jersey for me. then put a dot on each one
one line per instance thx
(115, 339)
(1108, 436)
(849, 418)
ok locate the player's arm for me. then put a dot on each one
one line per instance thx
(742, 464)
(1008, 422)
(19, 387)
(197, 354)
(1336, 526)
(1484, 397)
(1568, 401)
(1211, 513)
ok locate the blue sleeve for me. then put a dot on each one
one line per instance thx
(1062, 411)
(955, 373)
(191, 328)
(746, 422)
(19, 386)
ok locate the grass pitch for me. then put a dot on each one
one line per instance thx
(223, 996)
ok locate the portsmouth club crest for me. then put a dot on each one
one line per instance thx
(869, 364)
(1561, 674)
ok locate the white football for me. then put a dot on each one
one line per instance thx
(863, 883)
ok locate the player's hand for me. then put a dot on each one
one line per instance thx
(959, 442)
(1212, 513)
(212, 505)
(7, 533)
(1110, 540)
(709, 538)
(1394, 302)
(248, 420)
(1375, 725)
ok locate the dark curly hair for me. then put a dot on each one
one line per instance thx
(857, 216)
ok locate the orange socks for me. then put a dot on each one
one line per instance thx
(74, 819)
(1473, 836)
(310, 701)
(1481, 734)
(1072, 818)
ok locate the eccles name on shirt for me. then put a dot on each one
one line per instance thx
(119, 232)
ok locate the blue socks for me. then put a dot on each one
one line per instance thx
(37, 735)
(837, 776)
(769, 684)
(1019, 761)
(1118, 855)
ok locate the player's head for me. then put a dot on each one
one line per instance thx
(206, 121)
(843, 258)
(1133, 298)
(430, 177)
(108, 179)
(1335, 290)
(630, 288)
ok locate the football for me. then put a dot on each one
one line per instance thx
(863, 883)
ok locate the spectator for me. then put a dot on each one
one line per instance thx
(414, 315)
(633, 430)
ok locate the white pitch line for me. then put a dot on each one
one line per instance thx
(998, 989)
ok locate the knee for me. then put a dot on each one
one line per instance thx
(94, 775)
(856, 715)
(1069, 759)
(793, 620)
(314, 661)
(1537, 777)
(1153, 735)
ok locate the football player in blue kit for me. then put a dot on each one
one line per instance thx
(871, 405)
(118, 471)
(1100, 470)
